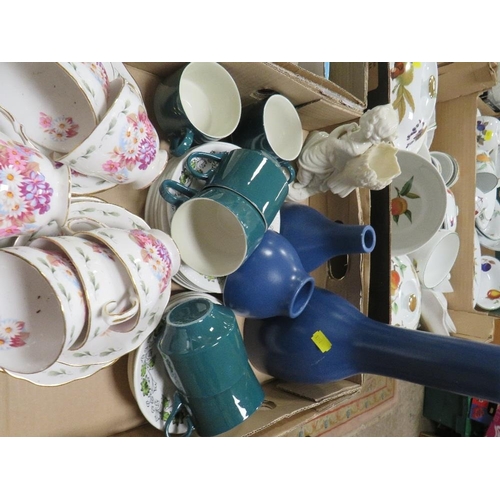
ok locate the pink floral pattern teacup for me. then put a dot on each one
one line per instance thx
(124, 147)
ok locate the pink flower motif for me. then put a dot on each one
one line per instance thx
(59, 128)
(12, 333)
(45, 121)
(111, 166)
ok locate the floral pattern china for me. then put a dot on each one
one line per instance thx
(413, 87)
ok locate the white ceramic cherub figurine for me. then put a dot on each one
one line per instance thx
(351, 156)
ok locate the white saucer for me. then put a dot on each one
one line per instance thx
(86, 184)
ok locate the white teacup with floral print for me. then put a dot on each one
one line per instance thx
(33, 191)
(59, 104)
(61, 276)
(112, 300)
(151, 257)
(124, 148)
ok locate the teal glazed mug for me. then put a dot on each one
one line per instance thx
(198, 103)
(215, 229)
(205, 357)
(272, 125)
(254, 175)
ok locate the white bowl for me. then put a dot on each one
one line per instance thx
(418, 203)
(489, 284)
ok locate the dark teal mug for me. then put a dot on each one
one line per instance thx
(254, 175)
(205, 357)
(198, 103)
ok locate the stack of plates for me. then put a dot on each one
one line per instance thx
(158, 213)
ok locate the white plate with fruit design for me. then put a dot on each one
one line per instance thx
(413, 87)
(418, 203)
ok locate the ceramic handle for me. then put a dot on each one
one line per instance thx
(112, 318)
(173, 199)
(180, 144)
(207, 156)
(177, 407)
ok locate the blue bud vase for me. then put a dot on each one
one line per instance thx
(332, 340)
(317, 239)
(271, 282)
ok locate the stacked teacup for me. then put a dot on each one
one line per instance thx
(83, 299)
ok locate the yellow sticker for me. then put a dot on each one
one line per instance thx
(321, 341)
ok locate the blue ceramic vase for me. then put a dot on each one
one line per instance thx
(332, 340)
(317, 239)
(271, 282)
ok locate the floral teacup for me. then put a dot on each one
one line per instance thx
(124, 147)
(150, 256)
(33, 192)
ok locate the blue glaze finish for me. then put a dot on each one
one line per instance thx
(282, 347)
(271, 282)
(317, 239)
(205, 357)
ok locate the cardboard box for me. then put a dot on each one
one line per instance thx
(459, 85)
(103, 405)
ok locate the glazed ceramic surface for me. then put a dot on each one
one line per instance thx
(489, 284)
(60, 374)
(406, 293)
(33, 192)
(477, 269)
(51, 101)
(451, 216)
(148, 378)
(418, 203)
(124, 147)
(271, 282)
(82, 184)
(486, 175)
(317, 239)
(490, 228)
(413, 91)
(332, 339)
(33, 327)
(448, 167)
(198, 103)
(487, 133)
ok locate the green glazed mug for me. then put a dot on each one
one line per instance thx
(205, 357)
(215, 229)
(254, 175)
(198, 103)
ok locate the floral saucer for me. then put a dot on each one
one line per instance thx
(148, 379)
(87, 184)
(418, 203)
(488, 221)
(406, 293)
(60, 374)
(413, 87)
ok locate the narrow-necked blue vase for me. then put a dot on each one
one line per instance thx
(271, 282)
(317, 239)
(332, 340)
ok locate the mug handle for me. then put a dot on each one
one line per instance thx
(173, 199)
(208, 156)
(116, 318)
(181, 143)
(177, 406)
(291, 171)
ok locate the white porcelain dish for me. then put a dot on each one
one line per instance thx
(418, 203)
(413, 92)
(489, 284)
(406, 293)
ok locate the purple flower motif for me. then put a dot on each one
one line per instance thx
(37, 192)
(147, 152)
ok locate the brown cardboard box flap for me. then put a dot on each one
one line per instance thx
(463, 78)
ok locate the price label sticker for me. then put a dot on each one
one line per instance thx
(321, 341)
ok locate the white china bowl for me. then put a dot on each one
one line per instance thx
(418, 203)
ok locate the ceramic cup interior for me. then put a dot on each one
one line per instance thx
(283, 127)
(210, 98)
